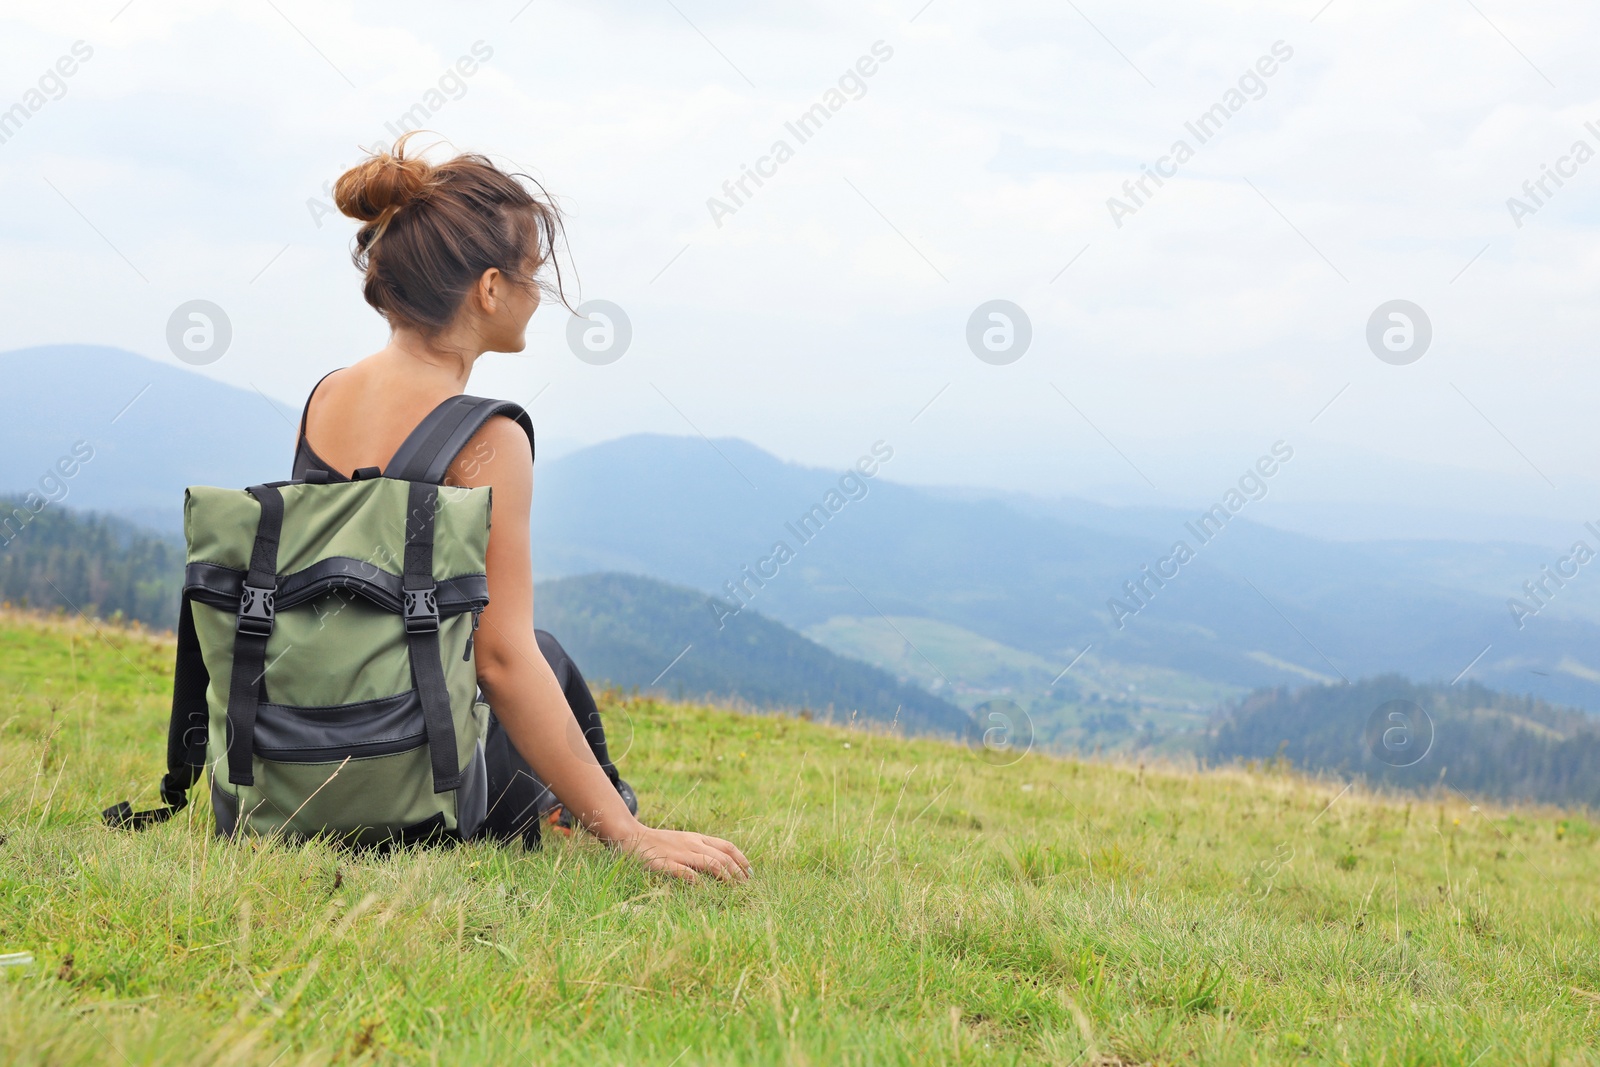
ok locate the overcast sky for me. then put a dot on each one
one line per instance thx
(1357, 153)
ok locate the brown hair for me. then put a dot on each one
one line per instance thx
(431, 230)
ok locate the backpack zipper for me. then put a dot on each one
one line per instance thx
(466, 655)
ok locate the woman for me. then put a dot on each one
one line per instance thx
(452, 254)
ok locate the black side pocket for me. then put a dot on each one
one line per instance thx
(288, 734)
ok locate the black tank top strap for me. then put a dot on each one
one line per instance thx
(426, 454)
(305, 460)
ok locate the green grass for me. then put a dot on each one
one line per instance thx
(912, 904)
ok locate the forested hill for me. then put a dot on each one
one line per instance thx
(83, 561)
(636, 631)
(1389, 730)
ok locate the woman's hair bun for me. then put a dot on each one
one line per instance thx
(429, 231)
(382, 184)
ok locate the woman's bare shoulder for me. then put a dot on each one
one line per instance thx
(498, 454)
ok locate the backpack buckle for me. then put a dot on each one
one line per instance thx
(256, 609)
(421, 610)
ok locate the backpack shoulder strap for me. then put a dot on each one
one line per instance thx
(427, 453)
(186, 734)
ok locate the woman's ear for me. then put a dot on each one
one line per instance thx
(491, 290)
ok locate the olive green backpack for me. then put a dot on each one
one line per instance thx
(324, 666)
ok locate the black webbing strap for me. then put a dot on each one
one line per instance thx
(421, 615)
(426, 455)
(256, 610)
(186, 733)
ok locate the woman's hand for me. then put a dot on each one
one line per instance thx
(686, 855)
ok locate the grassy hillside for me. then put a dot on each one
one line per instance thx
(913, 903)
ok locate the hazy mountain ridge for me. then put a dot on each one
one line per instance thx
(1253, 596)
(154, 429)
(1257, 606)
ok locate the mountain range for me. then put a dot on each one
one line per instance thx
(1256, 606)
(969, 594)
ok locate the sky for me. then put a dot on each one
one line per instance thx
(1317, 162)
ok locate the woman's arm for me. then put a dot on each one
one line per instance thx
(523, 690)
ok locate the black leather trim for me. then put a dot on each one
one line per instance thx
(287, 734)
(472, 797)
(224, 808)
(220, 587)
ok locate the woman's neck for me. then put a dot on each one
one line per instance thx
(444, 357)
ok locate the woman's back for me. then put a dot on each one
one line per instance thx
(359, 416)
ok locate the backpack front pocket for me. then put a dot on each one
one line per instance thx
(288, 734)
